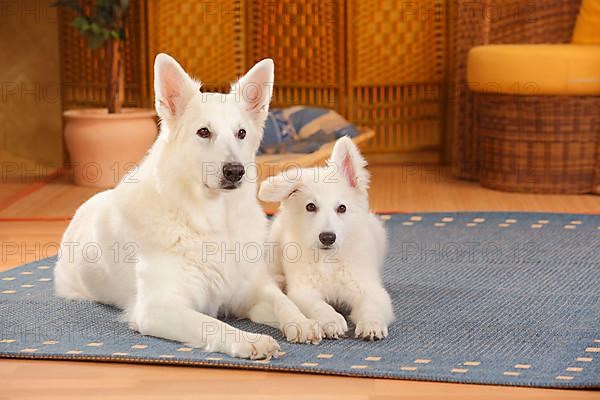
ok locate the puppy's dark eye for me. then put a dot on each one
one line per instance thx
(341, 209)
(241, 134)
(310, 207)
(204, 133)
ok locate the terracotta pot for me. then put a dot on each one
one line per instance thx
(103, 147)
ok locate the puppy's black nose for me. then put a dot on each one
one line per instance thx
(233, 171)
(327, 238)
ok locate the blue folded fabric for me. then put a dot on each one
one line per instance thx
(302, 129)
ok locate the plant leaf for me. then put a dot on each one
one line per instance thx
(96, 28)
(81, 23)
(95, 41)
(105, 20)
(72, 4)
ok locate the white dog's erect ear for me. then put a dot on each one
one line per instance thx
(254, 89)
(277, 188)
(173, 87)
(351, 164)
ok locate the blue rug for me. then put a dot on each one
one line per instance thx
(493, 298)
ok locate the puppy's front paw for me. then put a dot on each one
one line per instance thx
(256, 347)
(303, 331)
(370, 330)
(333, 325)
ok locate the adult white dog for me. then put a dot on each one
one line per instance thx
(325, 212)
(193, 223)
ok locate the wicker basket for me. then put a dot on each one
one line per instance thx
(539, 144)
(272, 164)
(507, 21)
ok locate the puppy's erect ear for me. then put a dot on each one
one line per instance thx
(254, 90)
(173, 87)
(346, 158)
(278, 188)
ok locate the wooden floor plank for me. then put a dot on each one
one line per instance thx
(73, 380)
(408, 187)
(50, 200)
(23, 242)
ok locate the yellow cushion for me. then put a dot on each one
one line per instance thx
(587, 27)
(561, 69)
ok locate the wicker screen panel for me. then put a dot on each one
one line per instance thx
(305, 39)
(396, 71)
(405, 117)
(206, 37)
(84, 71)
(395, 42)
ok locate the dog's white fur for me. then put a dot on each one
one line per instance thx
(349, 272)
(192, 237)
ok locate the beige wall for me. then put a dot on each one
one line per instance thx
(30, 107)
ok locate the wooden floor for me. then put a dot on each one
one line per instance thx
(34, 215)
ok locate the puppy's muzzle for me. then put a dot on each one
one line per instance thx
(327, 238)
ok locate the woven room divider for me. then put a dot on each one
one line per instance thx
(83, 71)
(207, 37)
(396, 71)
(305, 39)
(380, 63)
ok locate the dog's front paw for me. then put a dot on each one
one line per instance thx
(333, 325)
(370, 330)
(303, 331)
(256, 347)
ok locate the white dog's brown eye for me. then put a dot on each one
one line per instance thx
(341, 209)
(310, 207)
(204, 133)
(241, 134)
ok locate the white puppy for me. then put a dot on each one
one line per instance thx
(181, 238)
(328, 246)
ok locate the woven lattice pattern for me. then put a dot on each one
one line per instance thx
(303, 38)
(544, 144)
(526, 21)
(495, 298)
(84, 71)
(208, 38)
(300, 36)
(392, 42)
(397, 59)
(406, 117)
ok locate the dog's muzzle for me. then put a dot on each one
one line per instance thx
(327, 239)
(232, 175)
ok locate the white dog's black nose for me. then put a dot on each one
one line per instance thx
(233, 171)
(327, 238)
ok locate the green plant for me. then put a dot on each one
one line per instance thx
(102, 23)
